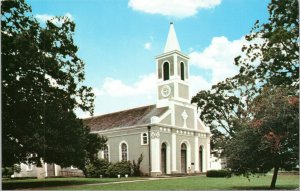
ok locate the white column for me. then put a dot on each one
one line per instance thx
(188, 157)
(174, 157)
(46, 170)
(196, 152)
(169, 159)
(207, 156)
(55, 170)
(175, 67)
(155, 152)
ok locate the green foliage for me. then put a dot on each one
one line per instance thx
(41, 88)
(274, 45)
(269, 66)
(8, 171)
(96, 168)
(136, 166)
(269, 59)
(221, 109)
(94, 142)
(218, 173)
(270, 138)
(120, 168)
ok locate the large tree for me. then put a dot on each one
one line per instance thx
(255, 113)
(41, 87)
(270, 137)
(269, 59)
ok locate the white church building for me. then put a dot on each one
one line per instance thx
(169, 133)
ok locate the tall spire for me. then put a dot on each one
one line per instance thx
(172, 42)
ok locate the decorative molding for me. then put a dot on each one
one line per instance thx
(155, 134)
(184, 116)
(161, 129)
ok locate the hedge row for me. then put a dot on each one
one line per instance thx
(103, 167)
(217, 173)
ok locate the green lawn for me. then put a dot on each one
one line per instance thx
(187, 183)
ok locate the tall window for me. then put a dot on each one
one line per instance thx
(182, 70)
(166, 69)
(106, 153)
(124, 152)
(144, 139)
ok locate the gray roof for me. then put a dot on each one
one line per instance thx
(126, 118)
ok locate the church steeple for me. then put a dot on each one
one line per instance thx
(172, 73)
(172, 42)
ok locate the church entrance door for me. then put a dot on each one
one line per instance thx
(183, 158)
(200, 159)
(164, 158)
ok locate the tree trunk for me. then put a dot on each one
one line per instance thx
(274, 178)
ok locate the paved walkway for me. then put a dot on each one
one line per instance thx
(107, 183)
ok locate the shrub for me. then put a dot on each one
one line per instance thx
(217, 173)
(136, 166)
(8, 171)
(122, 168)
(96, 168)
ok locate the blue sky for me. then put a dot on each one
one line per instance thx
(119, 39)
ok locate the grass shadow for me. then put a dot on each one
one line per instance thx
(40, 184)
(281, 187)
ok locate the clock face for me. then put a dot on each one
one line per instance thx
(165, 91)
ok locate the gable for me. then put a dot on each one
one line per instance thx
(167, 120)
(201, 126)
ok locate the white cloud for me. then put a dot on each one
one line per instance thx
(173, 8)
(219, 57)
(148, 45)
(43, 18)
(116, 88)
(198, 83)
(115, 95)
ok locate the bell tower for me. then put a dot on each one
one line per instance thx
(172, 72)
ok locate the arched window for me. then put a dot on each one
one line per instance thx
(182, 70)
(166, 71)
(124, 152)
(144, 139)
(183, 146)
(106, 152)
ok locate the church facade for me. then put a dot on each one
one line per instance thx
(169, 134)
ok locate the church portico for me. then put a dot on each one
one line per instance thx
(170, 155)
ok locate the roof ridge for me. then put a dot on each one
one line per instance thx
(126, 110)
